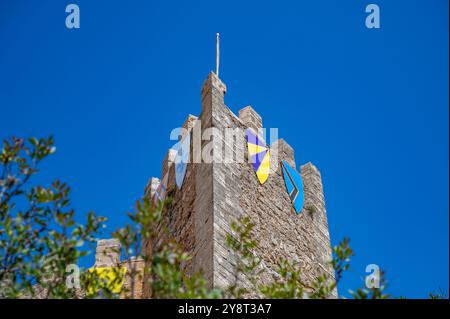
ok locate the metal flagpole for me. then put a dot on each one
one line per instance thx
(217, 54)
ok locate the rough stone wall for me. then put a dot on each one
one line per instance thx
(179, 217)
(187, 217)
(180, 213)
(133, 285)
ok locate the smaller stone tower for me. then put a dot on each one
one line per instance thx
(107, 255)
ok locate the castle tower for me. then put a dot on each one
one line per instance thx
(214, 194)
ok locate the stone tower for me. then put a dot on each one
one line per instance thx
(213, 194)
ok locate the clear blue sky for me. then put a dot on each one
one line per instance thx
(368, 107)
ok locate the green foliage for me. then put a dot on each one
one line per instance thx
(440, 294)
(38, 233)
(311, 210)
(372, 293)
(341, 258)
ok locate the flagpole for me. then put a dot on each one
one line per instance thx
(217, 54)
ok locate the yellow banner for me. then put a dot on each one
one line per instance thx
(110, 278)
